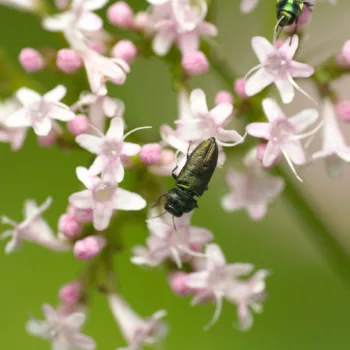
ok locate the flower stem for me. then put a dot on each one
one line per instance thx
(317, 229)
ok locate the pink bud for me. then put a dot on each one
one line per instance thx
(260, 154)
(141, 21)
(240, 88)
(178, 285)
(223, 97)
(125, 49)
(48, 140)
(345, 52)
(31, 60)
(121, 15)
(70, 293)
(98, 47)
(305, 16)
(69, 226)
(195, 63)
(343, 110)
(68, 61)
(151, 154)
(279, 43)
(81, 215)
(89, 247)
(78, 125)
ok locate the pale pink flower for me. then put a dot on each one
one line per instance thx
(138, 332)
(14, 136)
(38, 111)
(169, 242)
(169, 31)
(78, 18)
(197, 123)
(216, 278)
(248, 294)
(101, 69)
(33, 229)
(283, 134)
(277, 66)
(248, 5)
(109, 149)
(98, 108)
(103, 198)
(63, 331)
(334, 149)
(251, 190)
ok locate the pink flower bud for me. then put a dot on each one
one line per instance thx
(151, 154)
(345, 52)
(48, 140)
(125, 49)
(70, 293)
(240, 88)
(68, 61)
(178, 284)
(279, 43)
(260, 154)
(78, 125)
(141, 21)
(223, 97)
(81, 215)
(343, 110)
(121, 15)
(69, 226)
(195, 63)
(31, 60)
(97, 46)
(305, 16)
(89, 247)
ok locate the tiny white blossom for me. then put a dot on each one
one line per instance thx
(38, 111)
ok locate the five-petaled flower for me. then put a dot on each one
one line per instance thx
(277, 66)
(283, 134)
(38, 111)
(109, 149)
(103, 197)
(62, 330)
(136, 330)
(167, 241)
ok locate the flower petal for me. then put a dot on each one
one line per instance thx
(271, 153)
(221, 113)
(290, 46)
(42, 126)
(116, 129)
(128, 200)
(304, 119)
(82, 199)
(91, 143)
(215, 257)
(198, 102)
(90, 22)
(272, 110)
(75, 320)
(286, 90)
(102, 214)
(188, 41)
(257, 82)
(300, 70)
(18, 119)
(61, 112)
(130, 149)
(56, 94)
(262, 48)
(295, 152)
(260, 130)
(27, 96)
(162, 42)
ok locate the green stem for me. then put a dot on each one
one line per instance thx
(318, 230)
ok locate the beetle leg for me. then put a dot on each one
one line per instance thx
(188, 150)
(173, 172)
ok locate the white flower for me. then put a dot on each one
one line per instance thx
(37, 111)
(283, 134)
(33, 229)
(334, 149)
(248, 5)
(216, 279)
(15, 136)
(98, 108)
(109, 148)
(251, 190)
(137, 331)
(277, 66)
(103, 198)
(62, 330)
(167, 241)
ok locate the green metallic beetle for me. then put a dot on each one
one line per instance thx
(289, 11)
(193, 179)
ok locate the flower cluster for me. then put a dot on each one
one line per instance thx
(93, 121)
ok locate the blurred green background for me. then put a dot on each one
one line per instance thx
(308, 306)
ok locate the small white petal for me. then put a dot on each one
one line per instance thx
(162, 42)
(42, 126)
(221, 113)
(116, 129)
(90, 22)
(260, 130)
(91, 143)
(82, 199)
(128, 200)
(18, 119)
(262, 48)
(286, 90)
(56, 94)
(257, 82)
(27, 96)
(198, 102)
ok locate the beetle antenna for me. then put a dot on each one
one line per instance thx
(155, 205)
(158, 216)
(174, 223)
(277, 33)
